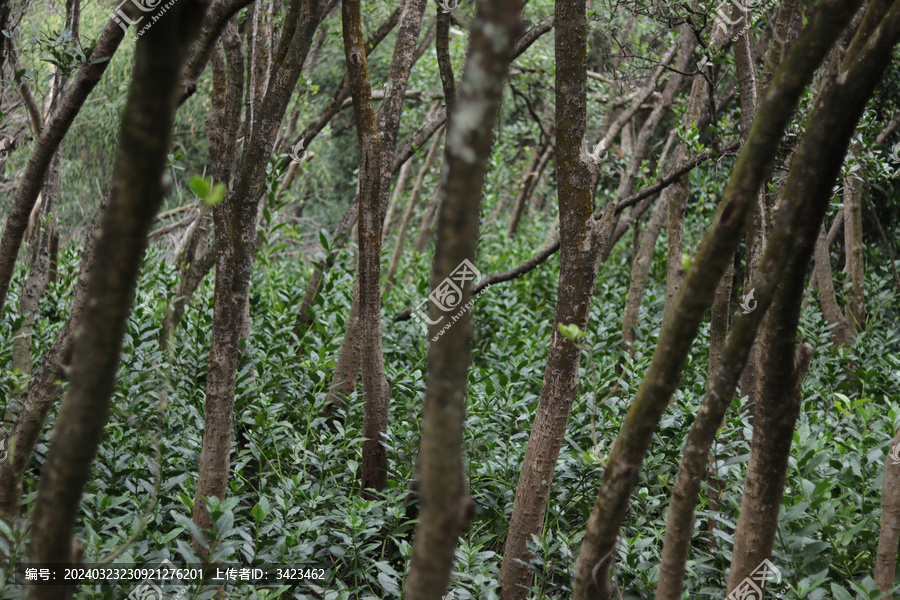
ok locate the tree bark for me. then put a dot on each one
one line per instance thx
(640, 271)
(235, 226)
(407, 214)
(135, 194)
(54, 130)
(886, 558)
(228, 82)
(445, 505)
(784, 263)
(581, 239)
(377, 140)
(680, 328)
(855, 315)
(830, 309)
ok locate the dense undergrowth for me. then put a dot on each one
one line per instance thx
(294, 490)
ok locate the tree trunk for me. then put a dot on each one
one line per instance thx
(135, 195)
(398, 191)
(773, 431)
(886, 558)
(197, 256)
(783, 264)
(377, 140)
(445, 505)
(640, 271)
(407, 214)
(830, 309)
(46, 145)
(529, 183)
(680, 327)
(855, 315)
(581, 239)
(235, 226)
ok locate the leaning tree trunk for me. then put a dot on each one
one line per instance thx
(784, 262)
(445, 504)
(197, 257)
(825, 282)
(640, 271)
(407, 214)
(235, 225)
(135, 195)
(581, 239)
(855, 316)
(46, 145)
(680, 327)
(886, 559)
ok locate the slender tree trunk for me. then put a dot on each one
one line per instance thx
(783, 264)
(407, 214)
(398, 191)
(235, 225)
(679, 329)
(581, 239)
(39, 271)
(377, 140)
(640, 271)
(528, 184)
(830, 309)
(886, 558)
(855, 314)
(136, 193)
(446, 506)
(45, 147)
(197, 256)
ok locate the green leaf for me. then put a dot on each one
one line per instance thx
(201, 186)
(258, 513)
(572, 331)
(216, 195)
